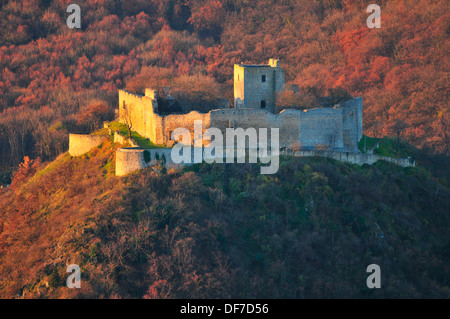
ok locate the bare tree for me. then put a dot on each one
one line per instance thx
(125, 117)
(397, 127)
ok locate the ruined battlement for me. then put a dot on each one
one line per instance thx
(256, 86)
(332, 132)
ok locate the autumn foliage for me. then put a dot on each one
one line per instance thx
(54, 73)
(223, 231)
(26, 169)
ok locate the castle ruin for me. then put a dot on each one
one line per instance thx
(337, 128)
(332, 131)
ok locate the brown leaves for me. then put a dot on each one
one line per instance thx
(26, 169)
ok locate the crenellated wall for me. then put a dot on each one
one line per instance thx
(142, 113)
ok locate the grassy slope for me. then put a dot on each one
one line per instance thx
(225, 231)
(140, 140)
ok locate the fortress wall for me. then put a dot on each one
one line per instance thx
(289, 124)
(354, 158)
(316, 126)
(321, 126)
(136, 105)
(119, 138)
(143, 117)
(340, 127)
(129, 160)
(156, 128)
(124, 140)
(243, 118)
(80, 144)
(167, 154)
(174, 121)
(351, 123)
(356, 105)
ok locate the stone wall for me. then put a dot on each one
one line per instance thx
(120, 139)
(352, 130)
(321, 126)
(131, 159)
(80, 144)
(339, 128)
(148, 123)
(354, 158)
(143, 114)
(174, 121)
(250, 89)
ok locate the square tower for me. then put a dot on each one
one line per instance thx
(256, 85)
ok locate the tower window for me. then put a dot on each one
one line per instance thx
(263, 104)
(263, 78)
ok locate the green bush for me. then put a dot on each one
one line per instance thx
(54, 280)
(147, 156)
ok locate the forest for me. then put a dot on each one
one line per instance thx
(55, 80)
(223, 231)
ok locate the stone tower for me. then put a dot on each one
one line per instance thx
(256, 85)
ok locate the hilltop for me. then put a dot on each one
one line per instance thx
(55, 80)
(220, 230)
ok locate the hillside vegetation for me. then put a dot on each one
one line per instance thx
(220, 230)
(55, 80)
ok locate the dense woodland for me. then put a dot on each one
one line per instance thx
(218, 230)
(308, 231)
(55, 80)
